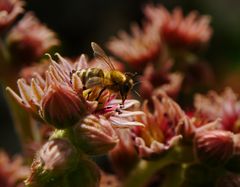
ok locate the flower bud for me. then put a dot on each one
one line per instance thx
(214, 147)
(95, 135)
(56, 157)
(61, 107)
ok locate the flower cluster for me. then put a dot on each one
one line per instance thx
(84, 118)
(74, 114)
(165, 41)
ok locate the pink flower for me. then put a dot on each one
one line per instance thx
(12, 171)
(155, 81)
(9, 9)
(140, 48)
(56, 99)
(191, 31)
(30, 39)
(159, 133)
(61, 99)
(224, 106)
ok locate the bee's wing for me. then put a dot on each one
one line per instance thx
(100, 54)
(94, 81)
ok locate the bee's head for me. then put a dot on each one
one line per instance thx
(126, 87)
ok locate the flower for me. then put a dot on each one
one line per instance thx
(9, 9)
(191, 31)
(57, 99)
(159, 133)
(214, 146)
(61, 99)
(95, 135)
(224, 106)
(30, 39)
(12, 171)
(140, 48)
(154, 81)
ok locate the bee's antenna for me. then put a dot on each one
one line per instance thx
(136, 83)
(135, 91)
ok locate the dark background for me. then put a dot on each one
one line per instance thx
(80, 22)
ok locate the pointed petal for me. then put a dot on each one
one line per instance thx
(16, 97)
(125, 114)
(36, 91)
(81, 63)
(119, 122)
(64, 62)
(77, 83)
(25, 91)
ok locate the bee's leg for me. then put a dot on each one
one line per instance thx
(100, 93)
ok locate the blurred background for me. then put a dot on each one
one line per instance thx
(77, 23)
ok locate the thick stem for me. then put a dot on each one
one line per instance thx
(174, 176)
(142, 174)
(146, 169)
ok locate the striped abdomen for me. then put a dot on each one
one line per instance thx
(86, 74)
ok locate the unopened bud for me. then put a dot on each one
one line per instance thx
(214, 147)
(56, 157)
(95, 135)
(61, 107)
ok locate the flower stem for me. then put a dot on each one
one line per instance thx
(176, 172)
(146, 169)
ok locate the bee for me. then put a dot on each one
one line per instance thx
(112, 79)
